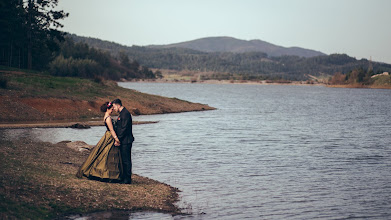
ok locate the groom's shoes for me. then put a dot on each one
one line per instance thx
(126, 181)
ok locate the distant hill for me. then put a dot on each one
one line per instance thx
(229, 44)
(244, 65)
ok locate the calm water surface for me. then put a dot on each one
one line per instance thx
(268, 152)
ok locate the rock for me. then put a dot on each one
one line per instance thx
(79, 126)
(63, 142)
(136, 111)
(79, 146)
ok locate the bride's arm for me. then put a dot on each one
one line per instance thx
(111, 128)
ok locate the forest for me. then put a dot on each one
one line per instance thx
(30, 39)
(81, 60)
(249, 65)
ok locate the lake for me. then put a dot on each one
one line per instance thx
(267, 152)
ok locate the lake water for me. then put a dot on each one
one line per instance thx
(267, 152)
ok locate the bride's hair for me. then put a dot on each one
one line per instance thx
(105, 106)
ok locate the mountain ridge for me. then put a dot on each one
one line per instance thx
(246, 65)
(234, 45)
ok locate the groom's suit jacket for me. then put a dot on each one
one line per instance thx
(124, 127)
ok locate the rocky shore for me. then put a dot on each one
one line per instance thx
(38, 181)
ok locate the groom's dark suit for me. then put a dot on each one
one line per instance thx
(125, 136)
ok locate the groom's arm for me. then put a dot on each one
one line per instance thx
(123, 126)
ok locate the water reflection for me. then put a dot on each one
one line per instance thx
(121, 215)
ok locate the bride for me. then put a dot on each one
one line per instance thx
(104, 161)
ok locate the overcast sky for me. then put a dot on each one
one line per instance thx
(359, 28)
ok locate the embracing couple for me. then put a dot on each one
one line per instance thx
(110, 160)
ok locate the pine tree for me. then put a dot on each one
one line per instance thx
(30, 24)
(42, 25)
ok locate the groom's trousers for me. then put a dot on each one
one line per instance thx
(126, 157)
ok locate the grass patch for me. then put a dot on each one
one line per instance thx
(382, 81)
(6, 68)
(42, 97)
(33, 85)
(3, 83)
(22, 210)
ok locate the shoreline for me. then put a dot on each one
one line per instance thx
(223, 82)
(62, 124)
(359, 86)
(239, 82)
(38, 182)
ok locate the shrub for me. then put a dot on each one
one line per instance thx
(98, 79)
(85, 68)
(3, 83)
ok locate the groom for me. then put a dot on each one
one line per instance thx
(125, 136)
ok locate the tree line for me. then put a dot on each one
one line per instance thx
(358, 76)
(30, 39)
(250, 65)
(81, 60)
(29, 32)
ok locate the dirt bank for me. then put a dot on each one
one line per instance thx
(38, 181)
(40, 97)
(359, 86)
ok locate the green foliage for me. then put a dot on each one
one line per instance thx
(382, 80)
(230, 76)
(22, 210)
(256, 65)
(124, 59)
(30, 39)
(147, 73)
(85, 68)
(3, 83)
(54, 86)
(158, 74)
(360, 76)
(80, 60)
(29, 36)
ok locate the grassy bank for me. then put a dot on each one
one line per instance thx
(379, 82)
(32, 96)
(38, 181)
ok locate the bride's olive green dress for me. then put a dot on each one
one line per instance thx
(104, 161)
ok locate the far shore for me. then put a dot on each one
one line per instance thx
(243, 82)
(263, 82)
